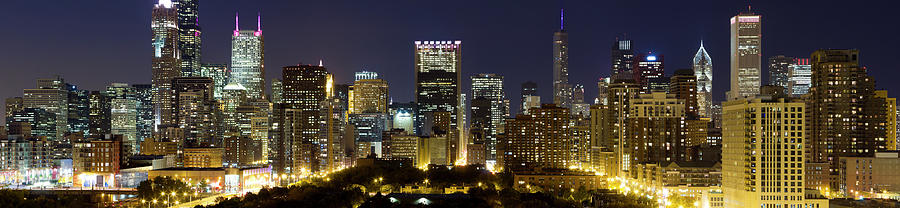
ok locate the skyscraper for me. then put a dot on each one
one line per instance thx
(79, 108)
(703, 70)
(780, 70)
(247, 59)
(654, 126)
(219, 74)
(51, 96)
(845, 118)
(166, 59)
(622, 60)
(762, 155)
(369, 94)
(305, 87)
(562, 91)
(800, 78)
(487, 90)
(123, 115)
(746, 47)
(189, 36)
(143, 93)
(529, 88)
(649, 70)
(438, 66)
(196, 110)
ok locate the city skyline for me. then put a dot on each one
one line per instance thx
(781, 125)
(590, 34)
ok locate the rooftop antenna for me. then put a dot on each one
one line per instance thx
(236, 21)
(258, 25)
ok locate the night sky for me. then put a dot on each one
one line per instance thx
(92, 43)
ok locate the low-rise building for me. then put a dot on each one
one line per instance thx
(203, 157)
(230, 180)
(96, 162)
(556, 181)
(868, 176)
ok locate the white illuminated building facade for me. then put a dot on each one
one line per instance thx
(746, 46)
(702, 66)
(247, 60)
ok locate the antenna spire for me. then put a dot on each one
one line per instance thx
(320, 63)
(236, 21)
(562, 18)
(258, 22)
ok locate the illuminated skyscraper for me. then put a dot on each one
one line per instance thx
(196, 110)
(654, 126)
(79, 109)
(123, 115)
(562, 91)
(800, 78)
(703, 70)
(488, 110)
(219, 74)
(189, 36)
(143, 93)
(13, 104)
(166, 59)
(297, 120)
(247, 59)
(369, 94)
(437, 72)
(51, 96)
(746, 47)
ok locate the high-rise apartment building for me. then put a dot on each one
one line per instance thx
(438, 66)
(369, 94)
(654, 127)
(703, 70)
(763, 153)
(562, 90)
(780, 71)
(540, 139)
(189, 36)
(746, 47)
(889, 119)
(489, 115)
(684, 86)
(248, 59)
(845, 117)
(166, 62)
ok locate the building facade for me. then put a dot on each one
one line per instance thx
(248, 60)
(746, 47)
(703, 70)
